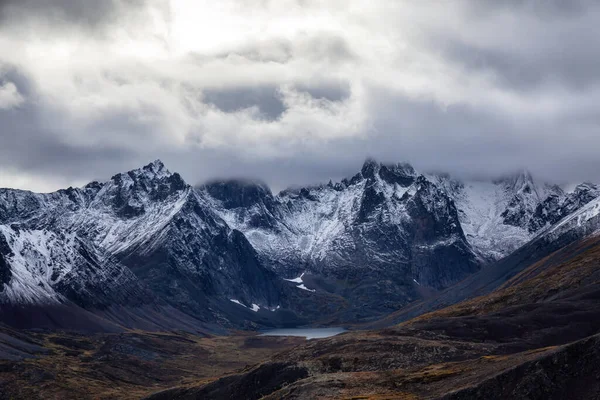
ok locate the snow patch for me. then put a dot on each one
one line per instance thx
(301, 283)
(295, 280)
(255, 307)
(305, 288)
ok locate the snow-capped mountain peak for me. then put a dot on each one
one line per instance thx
(143, 237)
(377, 240)
(380, 222)
(399, 173)
(495, 216)
(519, 182)
(156, 166)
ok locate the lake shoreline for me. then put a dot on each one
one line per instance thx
(308, 333)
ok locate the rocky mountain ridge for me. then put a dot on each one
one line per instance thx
(496, 217)
(145, 244)
(143, 238)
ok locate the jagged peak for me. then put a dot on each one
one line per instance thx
(308, 189)
(524, 175)
(370, 161)
(238, 192)
(156, 166)
(371, 167)
(402, 167)
(584, 186)
(155, 170)
(239, 182)
(152, 182)
(519, 181)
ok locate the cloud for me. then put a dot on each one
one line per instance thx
(64, 15)
(9, 96)
(539, 44)
(332, 91)
(58, 11)
(296, 92)
(230, 100)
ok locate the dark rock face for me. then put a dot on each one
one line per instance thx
(517, 214)
(17, 204)
(371, 200)
(547, 212)
(440, 252)
(5, 271)
(401, 174)
(383, 233)
(245, 196)
(190, 268)
(237, 193)
(529, 208)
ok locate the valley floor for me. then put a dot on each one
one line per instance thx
(131, 365)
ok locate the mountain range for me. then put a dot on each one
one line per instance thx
(147, 250)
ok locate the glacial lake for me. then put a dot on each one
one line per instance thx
(308, 333)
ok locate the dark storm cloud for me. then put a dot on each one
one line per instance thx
(34, 141)
(532, 43)
(84, 13)
(30, 145)
(471, 141)
(269, 99)
(460, 139)
(574, 62)
(266, 98)
(465, 140)
(545, 8)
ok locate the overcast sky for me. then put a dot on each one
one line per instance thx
(297, 91)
